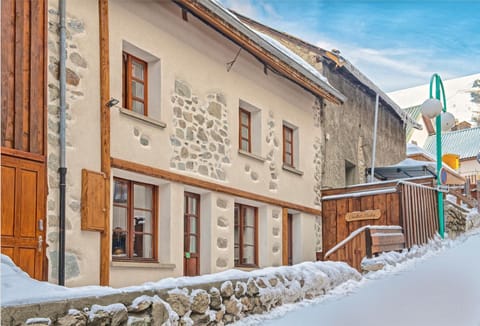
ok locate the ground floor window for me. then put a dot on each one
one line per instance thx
(134, 220)
(246, 236)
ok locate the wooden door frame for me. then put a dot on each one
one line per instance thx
(186, 220)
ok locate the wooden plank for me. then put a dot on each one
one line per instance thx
(385, 231)
(8, 201)
(93, 201)
(21, 72)
(329, 225)
(386, 248)
(8, 72)
(379, 240)
(342, 229)
(27, 202)
(37, 77)
(176, 177)
(380, 204)
(366, 203)
(285, 236)
(21, 154)
(105, 241)
(372, 214)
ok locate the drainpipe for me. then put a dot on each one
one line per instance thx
(374, 147)
(62, 169)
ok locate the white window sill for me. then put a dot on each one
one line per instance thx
(134, 264)
(141, 117)
(292, 169)
(251, 155)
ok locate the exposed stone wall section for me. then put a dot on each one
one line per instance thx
(318, 170)
(362, 164)
(318, 234)
(273, 144)
(200, 136)
(254, 176)
(459, 220)
(218, 303)
(76, 65)
(223, 231)
(141, 137)
(277, 237)
(317, 112)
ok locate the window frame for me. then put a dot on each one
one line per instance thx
(130, 206)
(186, 216)
(288, 130)
(127, 79)
(239, 228)
(242, 111)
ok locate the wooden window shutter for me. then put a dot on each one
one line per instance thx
(93, 201)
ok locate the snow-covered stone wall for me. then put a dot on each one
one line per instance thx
(215, 299)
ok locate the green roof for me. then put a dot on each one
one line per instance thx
(465, 143)
(413, 112)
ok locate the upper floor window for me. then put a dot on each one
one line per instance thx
(245, 129)
(288, 146)
(135, 84)
(134, 220)
(246, 236)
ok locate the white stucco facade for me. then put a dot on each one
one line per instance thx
(192, 129)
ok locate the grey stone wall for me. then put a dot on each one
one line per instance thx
(200, 135)
(216, 303)
(76, 65)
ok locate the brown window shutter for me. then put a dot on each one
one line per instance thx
(93, 201)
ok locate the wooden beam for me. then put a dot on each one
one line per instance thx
(266, 57)
(175, 177)
(285, 236)
(105, 240)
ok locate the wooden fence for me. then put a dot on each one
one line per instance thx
(411, 205)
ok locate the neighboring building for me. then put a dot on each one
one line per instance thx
(348, 130)
(463, 100)
(193, 171)
(465, 143)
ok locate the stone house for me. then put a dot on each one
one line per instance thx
(180, 120)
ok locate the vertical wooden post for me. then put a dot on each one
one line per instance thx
(284, 236)
(105, 137)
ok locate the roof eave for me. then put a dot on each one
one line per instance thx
(215, 16)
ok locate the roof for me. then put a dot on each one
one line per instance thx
(277, 58)
(458, 93)
(465, 143)
(414, 112)
(340, 62)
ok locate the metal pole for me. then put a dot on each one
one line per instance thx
(438, 120)
(374, 147)
(62, 169)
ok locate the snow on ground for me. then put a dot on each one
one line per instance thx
(439, 284)
(18, 288)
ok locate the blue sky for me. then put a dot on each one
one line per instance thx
(397, 44)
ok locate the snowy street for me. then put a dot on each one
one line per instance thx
(441, 288)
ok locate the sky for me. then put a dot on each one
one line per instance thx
(398, 43)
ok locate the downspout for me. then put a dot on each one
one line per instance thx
(62, 169)
(374, 147)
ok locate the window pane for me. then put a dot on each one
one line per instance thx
(137, 70)
(193, 244)
(288, 147)
(288, 135)
(248, 255)
(288, 158)
(244, 118)
(143, 246)
(193, 225)
(138, 107)
(120, 234)
(237, 255)
(245, 132)
(192, 205)
(248, 236)
(249, 216)
(137, 89)
(245, 145)
(142, 222)
(119, 217)
(120, 192)
(142, 196)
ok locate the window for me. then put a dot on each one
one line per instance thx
(245, 131)
(350, 175)
(134, 220)
(246, 236)
(288, 146)
(135, 84)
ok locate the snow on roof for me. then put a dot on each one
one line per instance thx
(457, 94)
(280, 52)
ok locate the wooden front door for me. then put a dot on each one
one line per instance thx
(191, 266)
(290, 237)
(23, 213)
